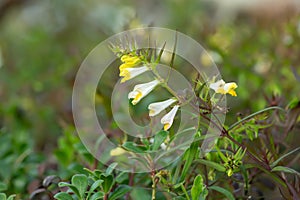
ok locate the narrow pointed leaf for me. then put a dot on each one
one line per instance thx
(212, 164)
(285, 169)
(225, 192)
(283, 156)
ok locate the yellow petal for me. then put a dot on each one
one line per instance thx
(166, 126)
(137, 97)
(126, 65)
(232, 93)
(230, 89)
(130, 59)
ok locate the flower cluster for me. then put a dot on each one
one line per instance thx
(134, 65)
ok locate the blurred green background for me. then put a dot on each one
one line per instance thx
(43, 42)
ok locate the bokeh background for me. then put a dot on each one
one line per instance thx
(43, 42)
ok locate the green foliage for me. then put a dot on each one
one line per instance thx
(95, 186)
(19, 165)
(4, 197)
(199, 190)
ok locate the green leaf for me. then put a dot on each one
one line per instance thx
(159, 138)
(198, 188)
(72, 187)
(111, 167)
(222, 156)
(283, 156)
(212, 164)
(108, 182)
(63, 196)
(293, 103)
(2, 196)
(174, 51)
(285, 169)
(274, 176)
(160, 53)
(123, 176)
(225, 192)
(190, 155)
(96, 196)
(3, 186)
(80, 181)
(95, 174)
(130, 146)
(119, 192)
(11, 197)
(95, 185)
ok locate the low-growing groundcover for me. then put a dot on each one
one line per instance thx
(256, 156)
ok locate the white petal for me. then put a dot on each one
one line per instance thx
(141, 90)
(217, 85)
(168, 119)
(157, 107)
(130, 73)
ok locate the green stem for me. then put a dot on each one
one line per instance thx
(153, 186)
(185, 192)
(164, 83)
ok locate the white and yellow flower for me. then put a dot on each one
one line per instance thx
(129, 73)
(157, 107)
(141, 90)
(224, 88)
(168, 119)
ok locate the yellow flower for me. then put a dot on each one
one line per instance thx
(141, 90)
(129, 61)
(168, 119)
(129, 73)
(156, 108)
(117, 151)
(224, 88)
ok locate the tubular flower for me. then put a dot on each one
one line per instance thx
(168, 119)
(129, 61)
(156, 108)
(141, 90)
(224, 88)
(129, 73)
